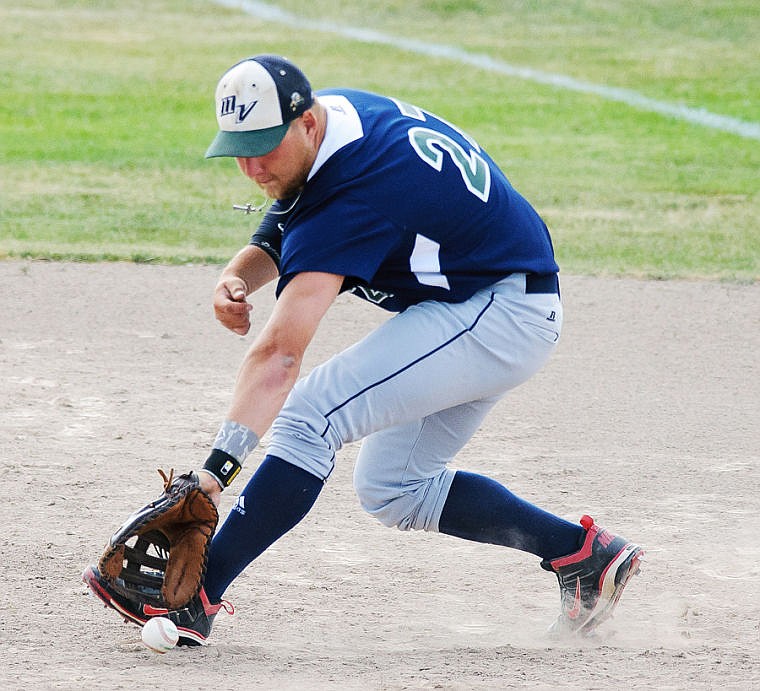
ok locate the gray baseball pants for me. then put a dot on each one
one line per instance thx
(415, 390)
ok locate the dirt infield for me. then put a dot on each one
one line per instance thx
(646, 418)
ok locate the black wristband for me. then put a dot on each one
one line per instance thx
(222, 466)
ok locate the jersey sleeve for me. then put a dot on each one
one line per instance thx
(268, 236)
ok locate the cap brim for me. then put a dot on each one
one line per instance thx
(247, 144)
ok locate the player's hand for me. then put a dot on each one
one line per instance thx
(230, 304)
(210, 487)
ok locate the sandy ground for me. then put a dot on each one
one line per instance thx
(646, 418)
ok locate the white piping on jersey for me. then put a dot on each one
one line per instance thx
(425, 264)
(343, 127)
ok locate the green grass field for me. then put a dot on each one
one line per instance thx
(106, 109)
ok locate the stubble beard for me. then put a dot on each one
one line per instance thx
(283, 190)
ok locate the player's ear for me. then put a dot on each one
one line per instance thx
(310, 121)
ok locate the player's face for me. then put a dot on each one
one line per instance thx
(282, 172)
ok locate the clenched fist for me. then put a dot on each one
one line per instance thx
(230, 304)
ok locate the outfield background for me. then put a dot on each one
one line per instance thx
(106, 111)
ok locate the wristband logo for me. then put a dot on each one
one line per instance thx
(229, 105)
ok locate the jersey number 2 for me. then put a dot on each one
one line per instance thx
(431, 146)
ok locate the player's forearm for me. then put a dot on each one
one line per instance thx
(272, 364)
(263, 383)
(253, 265)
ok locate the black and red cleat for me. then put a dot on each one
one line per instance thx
(193, 621)
(592, 579)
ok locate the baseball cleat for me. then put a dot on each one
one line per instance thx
(193, 621)
(592, 579)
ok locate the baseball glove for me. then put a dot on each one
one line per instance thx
(158, 556)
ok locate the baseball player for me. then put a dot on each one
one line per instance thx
(383, 199)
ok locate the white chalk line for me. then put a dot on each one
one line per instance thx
(697, 116)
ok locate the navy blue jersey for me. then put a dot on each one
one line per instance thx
(406, 206)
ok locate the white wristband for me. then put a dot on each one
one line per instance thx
(235, 439)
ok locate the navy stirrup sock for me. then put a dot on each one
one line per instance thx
(275, 499)
(480, 509)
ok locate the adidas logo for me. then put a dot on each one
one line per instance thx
(240, 505)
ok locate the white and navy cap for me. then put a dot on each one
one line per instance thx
(256, 100)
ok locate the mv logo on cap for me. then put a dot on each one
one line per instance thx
(256, 100)
(229, 105)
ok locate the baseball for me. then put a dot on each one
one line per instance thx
(160, 634)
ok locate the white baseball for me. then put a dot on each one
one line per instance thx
(160, 634)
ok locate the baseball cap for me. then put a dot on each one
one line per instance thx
(256, 100)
